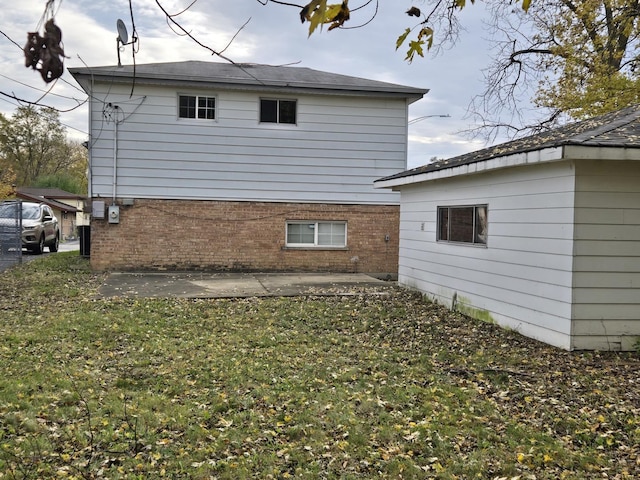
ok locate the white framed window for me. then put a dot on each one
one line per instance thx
(463, 224)
(316, 234)
(197, 106)
(278, 111)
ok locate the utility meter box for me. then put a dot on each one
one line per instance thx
(114, 214)
(97, 209)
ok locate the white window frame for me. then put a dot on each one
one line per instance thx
(198, 97)
(315, 226)
(480, 224)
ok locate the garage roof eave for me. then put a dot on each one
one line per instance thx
(421, 176)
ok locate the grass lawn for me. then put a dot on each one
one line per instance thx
(370, 385)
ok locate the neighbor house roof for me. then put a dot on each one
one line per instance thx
(49, 193)
(48, 196)
(243, 76)
(619, 129)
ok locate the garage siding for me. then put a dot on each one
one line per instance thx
(522, 278)
(607, 266)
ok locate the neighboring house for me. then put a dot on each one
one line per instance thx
(67, 207)
(541, 234)
(243, 167)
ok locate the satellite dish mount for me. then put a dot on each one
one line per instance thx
(123, 38)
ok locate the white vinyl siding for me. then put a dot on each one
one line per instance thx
(606, 292)
(523, 279)
(339, 146)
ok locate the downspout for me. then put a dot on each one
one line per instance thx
(115, 155)
(90, 144)
(406, 135)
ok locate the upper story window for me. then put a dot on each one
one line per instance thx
(196, 106)
(317, 234)
(277, 111)
(463, 224)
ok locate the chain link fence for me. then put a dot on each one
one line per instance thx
(10, 233)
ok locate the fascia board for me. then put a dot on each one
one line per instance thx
(590, 152)
(266, 86)
(552, 154)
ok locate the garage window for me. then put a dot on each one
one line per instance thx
(463, 224)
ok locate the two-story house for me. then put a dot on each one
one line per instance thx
(243, 167)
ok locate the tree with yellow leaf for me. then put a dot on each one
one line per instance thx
(7, 183)
(581, 56)
(318, 13)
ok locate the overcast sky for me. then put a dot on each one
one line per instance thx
(273, 35)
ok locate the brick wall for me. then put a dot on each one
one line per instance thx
(242, 236)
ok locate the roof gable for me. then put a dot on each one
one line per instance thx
(619, 129)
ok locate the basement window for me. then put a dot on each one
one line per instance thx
(277, 111)
(196, 106)
(317, 234)
(463, 224)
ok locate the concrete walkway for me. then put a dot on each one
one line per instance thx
(237, 285)
(69, 246)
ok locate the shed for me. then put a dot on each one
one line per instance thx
(540, 234)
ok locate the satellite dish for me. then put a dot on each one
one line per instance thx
(123, 38)
(123, 35)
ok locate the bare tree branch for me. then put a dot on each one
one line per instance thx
(170, 18)
(526, 51)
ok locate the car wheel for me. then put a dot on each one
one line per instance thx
(38, 249)
(54, 246)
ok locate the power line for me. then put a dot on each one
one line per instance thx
(10, 39)
(39, 89)
(22, 100)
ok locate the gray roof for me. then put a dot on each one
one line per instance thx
(244, 76)
(40, 195)
(616, 129)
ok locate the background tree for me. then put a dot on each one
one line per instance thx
(33, 144)
(74, 179)
(581, 56)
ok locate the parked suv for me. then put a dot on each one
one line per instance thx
(39, 227)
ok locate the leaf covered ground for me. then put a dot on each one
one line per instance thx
(377, 384)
